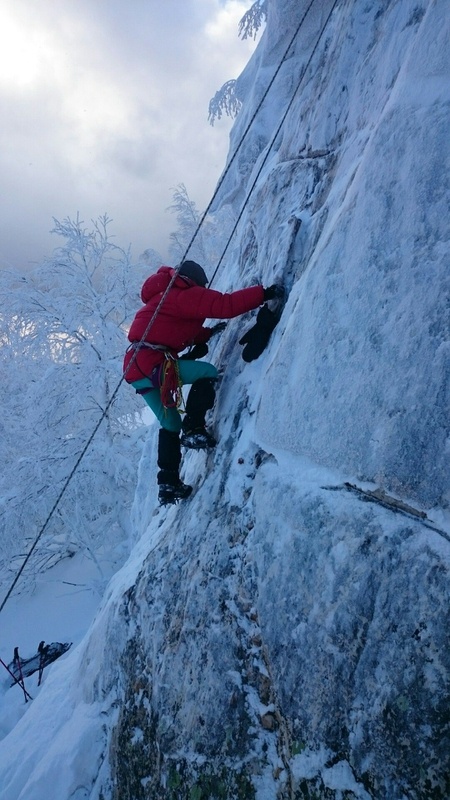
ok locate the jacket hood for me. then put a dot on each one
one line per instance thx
(159, 282)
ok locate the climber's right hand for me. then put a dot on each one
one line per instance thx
(274, 292)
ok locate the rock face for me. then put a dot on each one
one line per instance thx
(357, 222)
(307, 658)
(297, 646)
(278, 636)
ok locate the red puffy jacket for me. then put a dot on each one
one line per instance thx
(179, 322)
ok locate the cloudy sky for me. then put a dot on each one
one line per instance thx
(104, 108)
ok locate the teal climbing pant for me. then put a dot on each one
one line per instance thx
(189, 371)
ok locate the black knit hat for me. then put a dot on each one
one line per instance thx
(192, 270)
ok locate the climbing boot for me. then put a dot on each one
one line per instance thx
(172, 493)
(198, 439)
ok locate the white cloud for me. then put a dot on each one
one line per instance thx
(104, 108)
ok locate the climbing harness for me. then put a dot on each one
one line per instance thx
(165, 376)
(143, 342)
(155, 375)
(149, 345)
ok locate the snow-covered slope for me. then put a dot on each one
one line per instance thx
(277, 636)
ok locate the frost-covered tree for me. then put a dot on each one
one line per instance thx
(225, 100)
(188, 218)
(151, 258)
(211, 237)
(62, 331)
(253, 19)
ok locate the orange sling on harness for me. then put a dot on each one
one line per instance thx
(171, 394)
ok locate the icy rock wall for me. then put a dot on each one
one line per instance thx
(304, 657)
(352, 212)
(298, 642)
(291, 643)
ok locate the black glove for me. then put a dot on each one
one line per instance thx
(257, 338)
(217, 329)
(197, 351)
(274, 292)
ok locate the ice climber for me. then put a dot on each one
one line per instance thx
(156, 371)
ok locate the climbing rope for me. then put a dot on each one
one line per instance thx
(174, 276)
(274, 137)
(244, 135)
